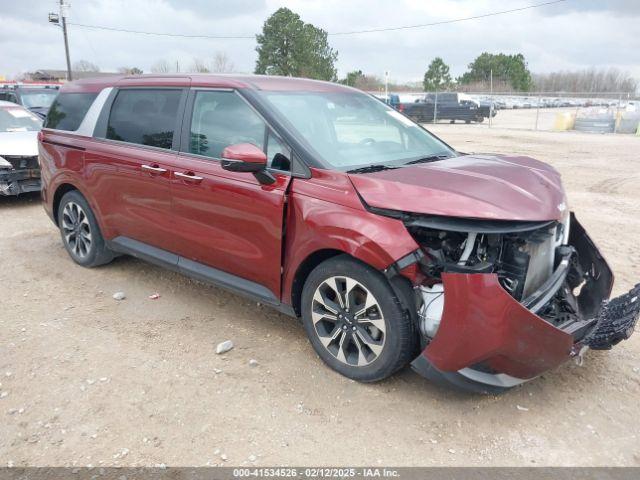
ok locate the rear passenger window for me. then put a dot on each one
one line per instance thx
(68, 110)
(221, 119)
(145, 117)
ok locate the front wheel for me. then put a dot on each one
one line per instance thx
(355, 322)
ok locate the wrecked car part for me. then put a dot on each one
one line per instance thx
(616, 321)
(19, 174)
(430, 313)
(522, 260)
(469, 243)
(523, 303)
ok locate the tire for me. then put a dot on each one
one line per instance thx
(366, 345)
(80, 232)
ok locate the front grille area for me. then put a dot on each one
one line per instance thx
(22, 162)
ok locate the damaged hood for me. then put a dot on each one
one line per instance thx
(472, 186)
(19, 144)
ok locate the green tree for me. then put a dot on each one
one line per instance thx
(287, 46)
(352, 79)
(509, 68)
(437, 76)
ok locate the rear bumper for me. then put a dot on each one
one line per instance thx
(15, 182)
(488, 340)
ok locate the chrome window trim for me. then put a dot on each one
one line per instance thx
(135, 145)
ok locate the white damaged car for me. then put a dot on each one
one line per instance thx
(19, 168)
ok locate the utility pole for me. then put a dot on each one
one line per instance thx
(55, 19)
(63, 14)
(386, 86)
(491, 96)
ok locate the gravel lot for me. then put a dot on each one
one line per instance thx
(88, 380)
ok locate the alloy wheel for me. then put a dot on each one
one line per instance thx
(76, 230)
(348, 321)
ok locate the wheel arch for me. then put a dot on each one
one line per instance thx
(304, 269)
(61, 190)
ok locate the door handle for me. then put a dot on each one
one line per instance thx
(150, 168)
(189, 177)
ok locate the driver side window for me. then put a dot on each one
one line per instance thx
(221, 119)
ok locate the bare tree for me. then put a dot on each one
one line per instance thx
(590, 80)
(161, 66)
(199, 66)
(85, 66)
(221, 63)
(130, 70)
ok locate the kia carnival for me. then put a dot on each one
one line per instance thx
(329, 205)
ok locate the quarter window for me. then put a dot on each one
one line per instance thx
(278, 156)
(145, 117)
(221, 119)
(68, 110)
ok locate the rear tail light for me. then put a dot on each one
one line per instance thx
(400, 107)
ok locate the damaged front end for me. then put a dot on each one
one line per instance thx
(19, 174)
(500, 302)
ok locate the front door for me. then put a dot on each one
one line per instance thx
(228, 220)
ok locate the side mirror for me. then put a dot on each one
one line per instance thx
(243, 157)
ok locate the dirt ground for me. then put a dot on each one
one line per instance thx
(88, 380)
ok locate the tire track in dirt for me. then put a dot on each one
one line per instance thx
(612, 185)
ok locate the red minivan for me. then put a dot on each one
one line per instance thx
(325, 203)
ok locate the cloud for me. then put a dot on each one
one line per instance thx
(571, 35)
(616, 7)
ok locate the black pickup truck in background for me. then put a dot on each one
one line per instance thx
(446, 106)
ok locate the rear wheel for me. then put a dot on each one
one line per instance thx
(355, 322)
(80, 233)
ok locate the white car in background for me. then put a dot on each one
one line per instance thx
(19, 167)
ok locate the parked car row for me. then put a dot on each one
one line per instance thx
(19, 168)
(502, 101)
(37, 97)
(523, 102)
(23, 106)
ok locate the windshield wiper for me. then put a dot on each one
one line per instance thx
(432, 158)
(371, 169)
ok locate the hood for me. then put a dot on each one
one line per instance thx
(24, 144)
(470, 186)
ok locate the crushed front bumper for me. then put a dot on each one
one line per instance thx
(488, 341)
(15, 182)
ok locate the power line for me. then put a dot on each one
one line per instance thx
(355, 32)
(443, 22)
(162, 34)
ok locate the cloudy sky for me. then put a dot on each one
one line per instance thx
(571, 35)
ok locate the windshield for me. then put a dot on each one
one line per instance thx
(38, 98)
(351, 130)
(17, 119)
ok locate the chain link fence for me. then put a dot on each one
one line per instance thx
(547, 111)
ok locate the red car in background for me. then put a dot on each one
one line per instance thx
(327, 204)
